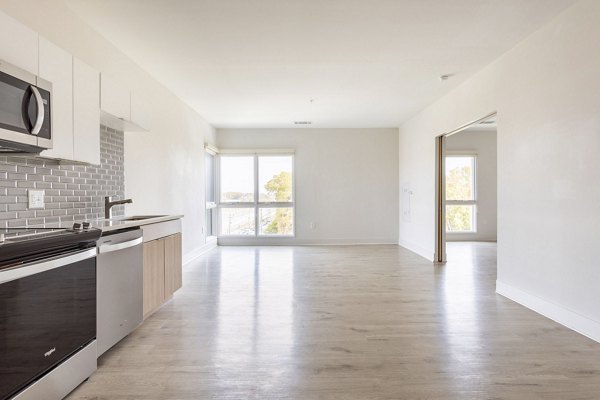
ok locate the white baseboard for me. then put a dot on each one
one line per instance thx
(563, 316)
(197, 252)
(291, 241)
(415, 248)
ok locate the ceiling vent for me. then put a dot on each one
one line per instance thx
(302, 122)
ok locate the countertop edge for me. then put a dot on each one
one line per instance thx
(139, 223)
(113, 224)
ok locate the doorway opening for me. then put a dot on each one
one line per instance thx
(466, 185)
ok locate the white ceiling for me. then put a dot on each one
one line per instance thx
(366, 63)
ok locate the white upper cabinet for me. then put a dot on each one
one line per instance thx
(141, 110)
(18, 44)
(115, 99)
(56, 66)
(86, 113)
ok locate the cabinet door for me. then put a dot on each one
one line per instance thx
(86, 113)
(154, 275)
(18, 44)
(56, 66)
(115, 98)
(173, 275)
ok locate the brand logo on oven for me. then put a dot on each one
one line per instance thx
(49, 352)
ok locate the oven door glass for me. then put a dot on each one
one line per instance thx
(44, 318)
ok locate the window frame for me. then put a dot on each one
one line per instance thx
(211, 205)
(473, 202)
(256, 204)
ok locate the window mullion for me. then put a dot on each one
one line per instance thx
(256, 216)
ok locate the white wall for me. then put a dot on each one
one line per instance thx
(483, 144)
(164, 169)
(346, 180)
(546, 91)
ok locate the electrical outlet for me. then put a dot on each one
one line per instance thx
(313, 225)
(36, 198)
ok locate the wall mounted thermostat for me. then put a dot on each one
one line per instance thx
(36, 198)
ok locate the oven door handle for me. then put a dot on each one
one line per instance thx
(107, 248)
(19, 272)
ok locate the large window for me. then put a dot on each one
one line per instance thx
(256, 194)
(461, 205)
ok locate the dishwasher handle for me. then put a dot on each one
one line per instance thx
(107, 248)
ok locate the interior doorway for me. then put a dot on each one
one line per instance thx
(466, 187)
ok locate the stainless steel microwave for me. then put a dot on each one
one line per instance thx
(25, 111)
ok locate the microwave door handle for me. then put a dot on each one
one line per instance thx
(40, 111)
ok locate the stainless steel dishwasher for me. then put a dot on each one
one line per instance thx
(119, 276)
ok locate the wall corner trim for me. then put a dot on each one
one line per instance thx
(415, 248)
(559, 314)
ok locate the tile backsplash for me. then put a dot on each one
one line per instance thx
(72, 191)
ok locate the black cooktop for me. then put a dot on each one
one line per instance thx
(22, 245)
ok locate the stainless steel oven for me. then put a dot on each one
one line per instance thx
(25, 111)
(47, 316)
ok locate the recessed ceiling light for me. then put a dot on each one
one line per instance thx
(302, 122)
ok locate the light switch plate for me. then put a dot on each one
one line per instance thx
(36, 198)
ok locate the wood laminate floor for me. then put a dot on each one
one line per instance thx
(346, 322)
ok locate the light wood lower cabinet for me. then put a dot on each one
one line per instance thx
(162, 271)
(154, 275)
(173, 276)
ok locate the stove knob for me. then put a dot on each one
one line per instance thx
(76, 226)
(86, 226)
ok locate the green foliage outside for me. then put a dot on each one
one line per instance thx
(458, 187)
(280, 189)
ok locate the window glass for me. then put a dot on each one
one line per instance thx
(460, 218)
(237, 179)
(237, 221)
(271, 211)
(276, 221)
(460, 178)
(275, 178)
(210, 178)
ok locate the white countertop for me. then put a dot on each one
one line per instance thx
(113, 224)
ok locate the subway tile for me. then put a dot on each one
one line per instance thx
(72, 191)
(17, 207)
(8, 167)
(26, 184)
(59, 172)
(8, 215)
(16, 176)
(43, 185)
(26, 214)
(17, 223)
(9, 184)
(25, 169)
(43, 213)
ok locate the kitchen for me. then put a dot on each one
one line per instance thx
(229, 199)
(77, 272)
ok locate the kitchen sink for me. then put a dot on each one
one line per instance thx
(139, 217)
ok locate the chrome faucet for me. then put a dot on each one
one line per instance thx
(108, 204)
